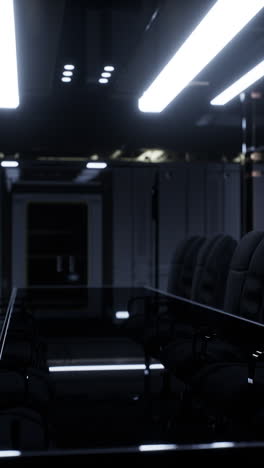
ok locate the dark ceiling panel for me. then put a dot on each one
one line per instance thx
(38, 26)
(138, 37)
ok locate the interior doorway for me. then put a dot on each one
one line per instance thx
(56, 240)
(57, 243)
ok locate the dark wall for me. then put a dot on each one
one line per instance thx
(154, 208)
(146, 211)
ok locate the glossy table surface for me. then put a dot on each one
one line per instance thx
(96, 368)
(98, 372)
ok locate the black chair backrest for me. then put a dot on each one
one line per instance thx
(245, 282)
(211, 271)
(182, 266)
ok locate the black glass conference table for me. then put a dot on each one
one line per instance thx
(97, 370)
(98, 373)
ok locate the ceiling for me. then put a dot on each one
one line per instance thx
(138, 37)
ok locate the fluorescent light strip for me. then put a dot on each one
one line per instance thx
(208, 446)
(66, 79)
(9, 163)
(96, 165)
(9, 93)
(222, 23)
(9, 453)
(110, 367)
(221, 444)
(156, 447)
(240, 85)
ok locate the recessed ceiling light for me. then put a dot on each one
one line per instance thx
(109, 68)
(103, 80)
(96, 165)
(122, 314)
(106, 74)
(69, 67)
(66, 79)
(9, 163)
(67, 73)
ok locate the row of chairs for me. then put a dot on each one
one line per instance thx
(198, 271)
(229, 276)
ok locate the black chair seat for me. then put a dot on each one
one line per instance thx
(224, 387)
(23, 429)
(25, 387)
(179, 283)
(181, 359)
(208, 288)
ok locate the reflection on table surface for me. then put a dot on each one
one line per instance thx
(86, 377)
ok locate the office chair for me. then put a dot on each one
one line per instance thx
(225, 381)
(208, 288)
(180, 277)
(23, 429)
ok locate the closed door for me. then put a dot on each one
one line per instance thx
(57, 243)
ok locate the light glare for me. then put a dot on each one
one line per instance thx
(10, 453)
(69, 67)
(222, 444)
(96, 165)
(109, 68)
(66, 79)
(240, 85)
(108, 367)
(103, 80)
(67, 73)
(222, 23)
(9, 163)
(9, 93)
(156, 447)
(106, 75)
(122, 314)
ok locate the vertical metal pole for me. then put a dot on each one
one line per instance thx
(246, 170)
(155, 217)
(254, 122)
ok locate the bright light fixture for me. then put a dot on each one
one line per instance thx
(106, 74)
(122, 314)
(240, 85)
(9, 453)
(66, 79)
(96, 165)
(156, 447)
(9, 163)
(102, 367)
(103, 80)
(69, 67)
(222, 23)
(222, 444)
(109, 68)
(9, 93)
(67, 73)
